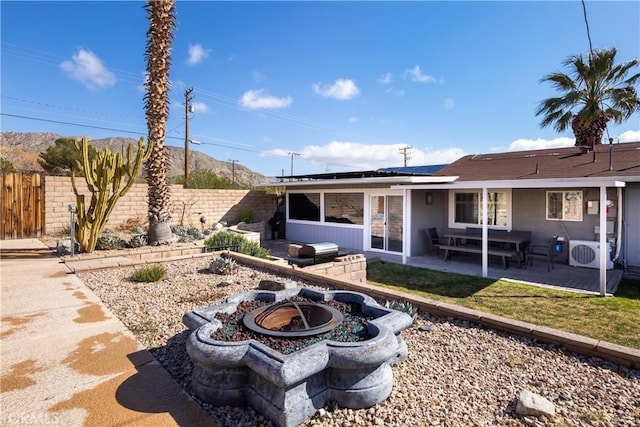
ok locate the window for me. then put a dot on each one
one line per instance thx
(466, 208)
(564, 205)
(345, 208)
(304, 206)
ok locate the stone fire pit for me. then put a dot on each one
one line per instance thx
(289, 388)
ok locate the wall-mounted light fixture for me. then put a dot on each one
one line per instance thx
(428, 198)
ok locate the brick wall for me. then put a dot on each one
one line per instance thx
(351, 268)
(187, 205)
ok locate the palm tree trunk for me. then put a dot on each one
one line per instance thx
(161, 15)
(591, 132)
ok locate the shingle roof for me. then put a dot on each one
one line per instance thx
(571, 162)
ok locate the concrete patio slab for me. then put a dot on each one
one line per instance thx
(67, 360)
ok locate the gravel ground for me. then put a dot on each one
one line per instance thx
(458, 374)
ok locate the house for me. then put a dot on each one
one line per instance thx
(568, 192)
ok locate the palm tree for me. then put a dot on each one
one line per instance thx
(161, 15)
(598, 89)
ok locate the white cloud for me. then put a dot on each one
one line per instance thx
(355, 156)
(197, 54)
(564, 142)
(258, 99)
(354, 119)
(86, 67)
(199, 107)
(415, 74)
(394, 91)
(630, 136)
(342, 89)
(541, 144)
(385, 79)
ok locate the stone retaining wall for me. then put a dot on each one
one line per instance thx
(352, 268)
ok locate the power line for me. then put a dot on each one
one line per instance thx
(586, 22)
(119, 130)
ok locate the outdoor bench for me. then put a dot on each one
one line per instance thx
(505, 254)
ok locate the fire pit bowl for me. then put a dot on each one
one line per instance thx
(289, 388)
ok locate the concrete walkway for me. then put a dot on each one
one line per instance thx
(65, 359)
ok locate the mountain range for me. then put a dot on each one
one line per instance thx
(23, 151)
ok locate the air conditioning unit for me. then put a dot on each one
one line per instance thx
(585, 253)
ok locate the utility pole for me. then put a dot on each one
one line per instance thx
(406, 153)
(233, 170)
(292, 154)
(187, 110)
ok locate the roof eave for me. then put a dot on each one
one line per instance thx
(395, 180)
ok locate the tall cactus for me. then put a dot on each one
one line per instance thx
(109, 176)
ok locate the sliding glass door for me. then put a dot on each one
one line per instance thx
(386, 223)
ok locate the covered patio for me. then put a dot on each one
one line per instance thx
(563, 276)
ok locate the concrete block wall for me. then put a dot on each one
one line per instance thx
(186, 207)
(352, 268)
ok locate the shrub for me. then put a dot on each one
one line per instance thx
(220, 265)
(151, 273)
(107, 240)
(138, 240)
(247, 215)
(235, 242)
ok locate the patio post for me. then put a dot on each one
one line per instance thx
(604, 254)
(485, 232)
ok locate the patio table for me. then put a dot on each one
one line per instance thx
(519, 239)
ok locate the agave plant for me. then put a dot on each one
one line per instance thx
(403, 306)
(220, 265)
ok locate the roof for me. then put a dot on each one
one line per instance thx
(378, 173)
(573, 162)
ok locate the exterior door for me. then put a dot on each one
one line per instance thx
(386, 221)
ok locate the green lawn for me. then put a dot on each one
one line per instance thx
(614, 319)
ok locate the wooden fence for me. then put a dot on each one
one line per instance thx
(22, 205)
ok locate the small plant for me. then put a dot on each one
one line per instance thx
(247, 215)
(221, 265)
(132, 223)
(403, 306)
(235, 242)
(107, 240)
(151, 273)
(332, 406)
(187, 234)
(137, 230)
(138, 241)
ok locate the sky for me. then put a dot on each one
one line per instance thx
(310, 87)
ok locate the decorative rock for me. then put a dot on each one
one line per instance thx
(64, 247)
(272, 285)
(426, 328)
(533, 404)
